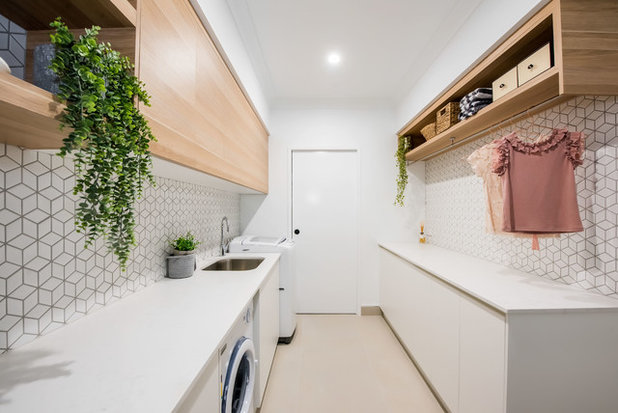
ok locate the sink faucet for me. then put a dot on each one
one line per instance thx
(228, 230)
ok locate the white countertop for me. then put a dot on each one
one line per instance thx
(503, 288)
(139, 354)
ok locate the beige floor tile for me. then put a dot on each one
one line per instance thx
(344, 364)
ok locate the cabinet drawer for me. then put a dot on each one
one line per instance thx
(534, 65)
(504, 84)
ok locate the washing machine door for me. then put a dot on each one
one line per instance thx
(239, 379)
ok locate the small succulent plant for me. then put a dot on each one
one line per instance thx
(185, 243)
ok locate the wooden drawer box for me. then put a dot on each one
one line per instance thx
(504, 84)
(534, 65)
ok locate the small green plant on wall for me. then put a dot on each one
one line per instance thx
(185, 243)
(109, 138)
(402, 172)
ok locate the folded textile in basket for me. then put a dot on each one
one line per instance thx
(477, 94)
(474, 101)
(474, 108)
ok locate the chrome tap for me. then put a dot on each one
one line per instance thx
(222, 245)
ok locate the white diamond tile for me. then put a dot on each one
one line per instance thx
(48, 275)
(455, 207)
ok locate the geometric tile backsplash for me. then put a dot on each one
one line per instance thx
(13, 46)
(48, 279)
(455, 207)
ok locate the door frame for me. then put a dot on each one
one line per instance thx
(290, 200)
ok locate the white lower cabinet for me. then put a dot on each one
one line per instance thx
(425, 316)
(458, 343)
(541, 358)
(481, 358)
(267, 318)
(205, 395)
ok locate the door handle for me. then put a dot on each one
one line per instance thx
(296, 231)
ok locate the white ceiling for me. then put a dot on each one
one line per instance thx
(386, 45)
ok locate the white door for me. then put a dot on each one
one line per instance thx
(324, 226)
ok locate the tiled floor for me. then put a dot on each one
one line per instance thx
(341, 364)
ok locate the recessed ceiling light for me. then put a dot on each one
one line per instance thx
(333, 59)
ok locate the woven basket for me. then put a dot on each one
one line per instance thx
(447, 116)
(429, 131)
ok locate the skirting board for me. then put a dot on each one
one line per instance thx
(371, 310)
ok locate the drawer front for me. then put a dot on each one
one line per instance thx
(534, 65)
(504, 84)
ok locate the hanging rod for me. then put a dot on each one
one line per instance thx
(521, 115)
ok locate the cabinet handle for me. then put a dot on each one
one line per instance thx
(502, 85)
(530, 66)
(297, 231)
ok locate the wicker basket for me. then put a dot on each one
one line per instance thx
(429, 131)
(447, 116)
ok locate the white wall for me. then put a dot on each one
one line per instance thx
(491, 20)
(219, 19)
(371, 131)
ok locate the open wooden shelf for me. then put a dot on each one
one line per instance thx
(28, 115)
(544, 87)
(77, 14)
(583, 41)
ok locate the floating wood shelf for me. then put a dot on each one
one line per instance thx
(77, 14)
(584, 41)
(538, 90)
(28, 115)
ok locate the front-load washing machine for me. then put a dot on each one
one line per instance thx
(237, 366)
(287, 276)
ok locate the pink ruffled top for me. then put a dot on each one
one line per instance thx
(538, 182)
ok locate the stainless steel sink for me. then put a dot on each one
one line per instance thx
(234, 264)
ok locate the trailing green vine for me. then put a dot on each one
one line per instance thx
(402, 176)
(109, 137)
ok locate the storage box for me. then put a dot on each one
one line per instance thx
(534, 65)
(447, 116)
(504, 84)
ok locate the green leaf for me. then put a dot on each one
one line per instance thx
(111, 156)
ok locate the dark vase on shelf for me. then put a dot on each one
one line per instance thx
(43, 76)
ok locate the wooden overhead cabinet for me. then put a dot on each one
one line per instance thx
(199, 113)
(583, 38)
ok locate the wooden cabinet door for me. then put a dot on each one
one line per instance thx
(199, 113)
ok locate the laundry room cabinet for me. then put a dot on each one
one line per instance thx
(267, 317)
(205, 396)
(489, 339)
(199, 112)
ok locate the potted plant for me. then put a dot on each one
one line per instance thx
(182, 263)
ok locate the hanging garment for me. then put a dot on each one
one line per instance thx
(481, 161)
(538, 182)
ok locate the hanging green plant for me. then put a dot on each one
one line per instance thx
(109, 137)
(402, 176)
